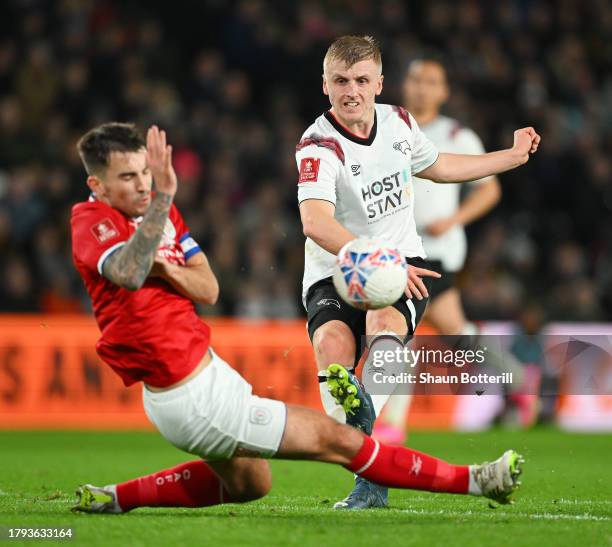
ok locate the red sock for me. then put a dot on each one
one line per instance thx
(191, 484)
(401, 467)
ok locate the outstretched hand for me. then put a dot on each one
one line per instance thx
(415, 285)
(159, 160)
(526, 141)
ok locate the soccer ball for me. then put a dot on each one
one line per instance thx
(370, 274)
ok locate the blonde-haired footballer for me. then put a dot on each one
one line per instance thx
(356, 163)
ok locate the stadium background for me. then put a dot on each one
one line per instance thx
(235, 83)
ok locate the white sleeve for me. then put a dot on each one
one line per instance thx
(319, 169)
(424, 152)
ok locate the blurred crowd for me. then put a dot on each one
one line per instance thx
(236, 83)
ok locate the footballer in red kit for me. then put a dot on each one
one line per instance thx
(144, 272)
(151, 335)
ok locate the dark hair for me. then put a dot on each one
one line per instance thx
(97, 144)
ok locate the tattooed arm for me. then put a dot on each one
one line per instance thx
(129, 266)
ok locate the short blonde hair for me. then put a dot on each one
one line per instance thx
(353, 49)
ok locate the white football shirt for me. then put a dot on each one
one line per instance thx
(434, 201)
(368, 180)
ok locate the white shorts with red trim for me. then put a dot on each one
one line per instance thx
(216, 416)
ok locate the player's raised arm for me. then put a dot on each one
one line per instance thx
(463, 167)
(129, 266)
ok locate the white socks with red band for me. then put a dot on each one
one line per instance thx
(331, 407)
(381, 344)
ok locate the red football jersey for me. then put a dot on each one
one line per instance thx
(153, 334)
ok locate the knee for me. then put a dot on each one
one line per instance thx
(256, 490)
(387, 320)
(334, 341)
(254, 486)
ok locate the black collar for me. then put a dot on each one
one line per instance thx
(351, 136)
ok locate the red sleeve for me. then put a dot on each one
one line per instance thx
(179, 223)
(97, 231)
(188, 245)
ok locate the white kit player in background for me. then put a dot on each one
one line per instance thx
(356, 163)
(440, 216)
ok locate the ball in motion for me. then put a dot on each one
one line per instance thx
(370, 274)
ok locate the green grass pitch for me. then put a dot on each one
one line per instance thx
(566, 497)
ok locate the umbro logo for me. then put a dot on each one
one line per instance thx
(328, 302)
(356, 169)
(402, 146)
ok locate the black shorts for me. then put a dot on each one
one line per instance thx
(438, 286)
(323, 304)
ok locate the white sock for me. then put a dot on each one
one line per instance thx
(113, 489)
(331, 407)
(379, 402)
(473, 488)
(382, 341)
